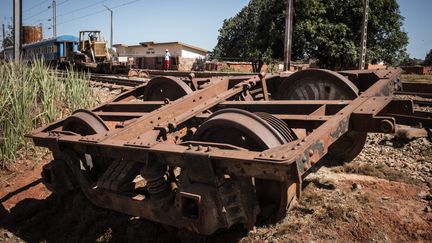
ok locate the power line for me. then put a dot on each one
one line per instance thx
(97, 12)
(43, 11)
(34, 6)
(79, 9)
(38, 13)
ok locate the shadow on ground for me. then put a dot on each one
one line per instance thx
(74, 219)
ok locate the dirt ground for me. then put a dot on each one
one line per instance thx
(384, 195)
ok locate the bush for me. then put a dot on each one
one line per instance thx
(32, 95)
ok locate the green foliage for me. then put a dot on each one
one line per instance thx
(273, 67)
(227, 69)
(428, 59)
(411, 62)
(326, 30)
(34, 95)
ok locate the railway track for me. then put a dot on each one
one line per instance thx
(111, 81)
(115, 82)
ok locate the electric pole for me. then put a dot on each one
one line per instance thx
(288, 34)
(362, 61)
(4, 36)
(111, 33)
(17, 16)
(54, 18)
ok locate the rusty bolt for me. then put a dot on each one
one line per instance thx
(209, 149)
(311, 152)
(283, 157)
(272, 156)
(199, 148)
(261, 155)
(304, 159)
(190, 147)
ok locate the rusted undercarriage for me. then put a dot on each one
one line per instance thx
(209, 153)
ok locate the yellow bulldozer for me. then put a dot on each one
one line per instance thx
(93, 54)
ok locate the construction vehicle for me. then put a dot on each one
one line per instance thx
(93, 54)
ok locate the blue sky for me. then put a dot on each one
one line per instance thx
(195, 22)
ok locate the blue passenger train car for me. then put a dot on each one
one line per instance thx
(57, 51)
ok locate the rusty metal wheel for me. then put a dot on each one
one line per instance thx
(316, 84)
(255, 132)
(165, 87)
(84, 122)
(320, 84)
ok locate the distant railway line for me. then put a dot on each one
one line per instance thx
(115, 81)
(111, 81)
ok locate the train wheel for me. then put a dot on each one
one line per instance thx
(162, 88)
(256, 132)
(84, 122)
(319, 84)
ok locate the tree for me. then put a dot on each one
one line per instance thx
(428, 59)
(408, 61)
(326, 30)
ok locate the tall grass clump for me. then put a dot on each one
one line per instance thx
(33, 95)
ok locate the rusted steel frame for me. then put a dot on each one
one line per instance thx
(122, 106)
(237, 162)
(300, 107)
(265, 89)
(119, 116)
(315, 145)
(137, 206)
(422, 102)
(168, 117)
(311, 149)
(404, 113)
(413, 120)
(417, 87)
(367, 118)
(293, 121)
(283, 107)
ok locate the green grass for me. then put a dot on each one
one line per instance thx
(33, 95)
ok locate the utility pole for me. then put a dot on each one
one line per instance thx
(288, 33)
(362, 61)
(4, 36)
(17, 16)
(54, 18)
(111, 33)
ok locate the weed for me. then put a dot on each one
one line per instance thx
(32, 95)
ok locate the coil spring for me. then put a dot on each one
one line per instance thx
(157, 185)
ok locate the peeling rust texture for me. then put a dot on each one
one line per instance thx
(220, 151)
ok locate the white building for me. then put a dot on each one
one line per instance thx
(150, 55)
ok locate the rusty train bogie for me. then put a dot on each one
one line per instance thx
(208, 153)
